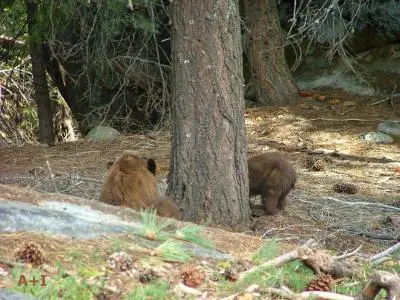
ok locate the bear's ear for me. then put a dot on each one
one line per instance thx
(151, 166)
(109, 164)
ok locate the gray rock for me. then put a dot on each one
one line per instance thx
(102, 133)
(391, 128)
(74, 221)
(377, 137)
(60, 218)
(11, 295)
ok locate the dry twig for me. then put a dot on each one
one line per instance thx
(278, 261)
(288, 294)
(380, 257)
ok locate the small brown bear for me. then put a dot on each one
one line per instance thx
(272, 176)
(130, 183)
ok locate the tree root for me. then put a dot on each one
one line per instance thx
(381, 280)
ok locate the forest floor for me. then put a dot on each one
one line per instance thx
(327, 126)
(331, 122)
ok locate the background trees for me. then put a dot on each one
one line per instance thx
(39, 74)
(109, 61)
(269, 77)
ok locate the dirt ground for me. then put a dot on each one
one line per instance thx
(326, 124)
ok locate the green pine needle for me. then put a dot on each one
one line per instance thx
(172, 250)
(152, 228)
(193, 234)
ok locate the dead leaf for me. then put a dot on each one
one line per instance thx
(334, 101)
(306, 94)
(349, 103)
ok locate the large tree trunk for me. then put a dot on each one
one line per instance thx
(42, 96)
(271, 79)
(208, 174)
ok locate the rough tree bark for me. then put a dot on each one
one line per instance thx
(42, 96)
(208, 174)
(271, 79)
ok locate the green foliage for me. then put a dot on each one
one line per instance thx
(193, 234)
(156, 290)
(29, 289)
(13, 19)
(268, 250)
(96, 256)
(60, 285)
(100, 46)
(294, 275)
(349, 287)
(89, 272)
(152, 229)
(172, 250)
(30, 121)
(118, 245)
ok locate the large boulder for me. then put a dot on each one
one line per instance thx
(391, 128)
(102, 133)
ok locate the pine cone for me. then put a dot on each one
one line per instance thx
(146, 277)
(120, 262)
(315, 163)
(347, 188)
(321, 283)
(230, 274)
(193, 277)
(30, 253)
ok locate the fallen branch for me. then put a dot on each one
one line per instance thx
(318, 260)
(322, 263)
(393, 95)
(286, 293)
(381, 280)
(377, 258)
(346, 255)
(52, 176)
(361, 203)
(343, 120)
(344, 156)
(252, 290)
(188, 290)
(278, 261)
(12, 264)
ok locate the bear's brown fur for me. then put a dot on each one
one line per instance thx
(130, 183)
(168, 209)
(151, 165)
(272, 176)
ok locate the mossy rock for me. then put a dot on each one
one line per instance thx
(102, 133)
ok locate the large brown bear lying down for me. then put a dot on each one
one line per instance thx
(131, 182)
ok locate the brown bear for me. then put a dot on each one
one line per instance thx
(131, 182)
(168, 209)
(151, 165)
(272, 176)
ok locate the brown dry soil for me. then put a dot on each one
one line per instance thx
(313, 125)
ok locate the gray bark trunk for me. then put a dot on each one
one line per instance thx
(208, 176)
